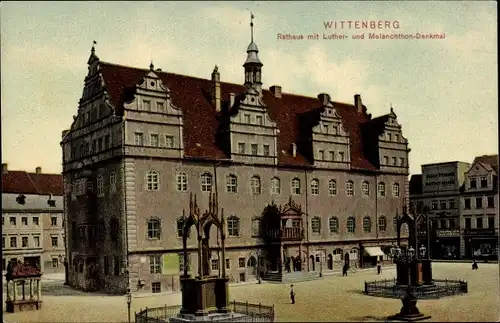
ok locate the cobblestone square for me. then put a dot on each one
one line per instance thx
(332, 298)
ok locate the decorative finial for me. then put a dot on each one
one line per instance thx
(391, 108)
(151, 66)
(251, 25)
(93, 47)
(216, 69)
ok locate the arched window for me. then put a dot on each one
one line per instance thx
(233, 226)
(365, 187)
(100, 185)
(112, 182)
(275, 186)
(256, 227)
(255, 185)
(382, 223)
(334, 224)
(316, 225)
(314, 187)
(337, 254)
(395, 189)
(231, 183)
(349, 188)
(154, 229)
(332, 187)
(296, 186)
(367, 224)
(353, 254)
(381, 189)
(351, 224)
(152, 180)
(206, 182)
(182, 181)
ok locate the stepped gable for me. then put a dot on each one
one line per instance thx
(192, 96)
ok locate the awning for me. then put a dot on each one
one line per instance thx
(374, 251)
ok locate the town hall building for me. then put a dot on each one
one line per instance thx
(144, 140)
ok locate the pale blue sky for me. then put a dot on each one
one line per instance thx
(443, 91)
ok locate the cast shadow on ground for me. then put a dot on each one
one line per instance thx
(368, 318)
(65, 290)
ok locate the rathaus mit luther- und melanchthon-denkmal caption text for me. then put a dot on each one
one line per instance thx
(340, 36)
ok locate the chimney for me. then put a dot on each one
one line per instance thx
(357, 103)
(4, 168)
(216, 88)
(276, 90)
(38, 170)
(294, 150)
(324, 98)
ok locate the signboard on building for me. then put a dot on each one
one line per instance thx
(439, 177)
(479, 232)
(170, 264)
(448, 233)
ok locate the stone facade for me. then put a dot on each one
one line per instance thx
(170, 135)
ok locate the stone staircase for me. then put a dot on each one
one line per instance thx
(293, 277)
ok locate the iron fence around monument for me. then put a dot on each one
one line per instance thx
(440, 288)
(253, 312)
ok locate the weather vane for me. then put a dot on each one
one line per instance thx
(251, 25)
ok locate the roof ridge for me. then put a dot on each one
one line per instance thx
(222, 82)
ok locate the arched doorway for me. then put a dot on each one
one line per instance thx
(354, 256)
(312, 263)
(346, 258)
(329, 262)
(252, 268)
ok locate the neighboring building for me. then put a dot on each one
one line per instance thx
(438, 188)
(143, 140)
(32, 219)
(479, 209)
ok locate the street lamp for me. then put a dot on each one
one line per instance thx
(422, 250)
(129, 301)
(409, 311)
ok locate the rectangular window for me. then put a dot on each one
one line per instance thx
(259, 120)
(53, 221)
(386, 160)
(467, 203)
(228, 263)
(484, 182)
(491, 201)
(451, 204)
(241, 262)
(214, 264)
(479, 223)
(335, 130)
(321, 155)
(54, 241)
(241, 148)
(468, 223)
(396, 139)
(12, 221)
(147, 105)
(389, 137)
(24, 220)
(107, 141)
(153, 140)
(181, 262)
(434, 205)
(266, 150)
(112, 182)
(401, 161)
(13, 242)
(341, 156)
(117, 265)
(247, 118)
(491, 222)
(479, 202)
(442, 205)
(24, 242)
(332, 155)
(55, 263)
(138, 139)
(473, 183)
(451, 223)
(255, 149)
(155, 264)
(36, 241)
(156, 287)
(325, 128)
(394, 161)
(94, 146)
(443, 224)
(169, 141)
(160, 107)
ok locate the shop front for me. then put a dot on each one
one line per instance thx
(481, 244)
(447, 245)
(372, 256)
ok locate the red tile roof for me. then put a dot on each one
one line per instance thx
(22, 182)
(193, 96)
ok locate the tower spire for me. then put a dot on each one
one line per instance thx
(251, 26)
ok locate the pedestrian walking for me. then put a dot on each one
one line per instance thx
(379, 268)
(344, 270)
(474, 265)
(292, 294)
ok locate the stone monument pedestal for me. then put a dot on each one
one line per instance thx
(205, 295)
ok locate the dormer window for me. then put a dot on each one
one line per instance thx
(21, 199)
(473, 183)
(484, 181)
(51, 202)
